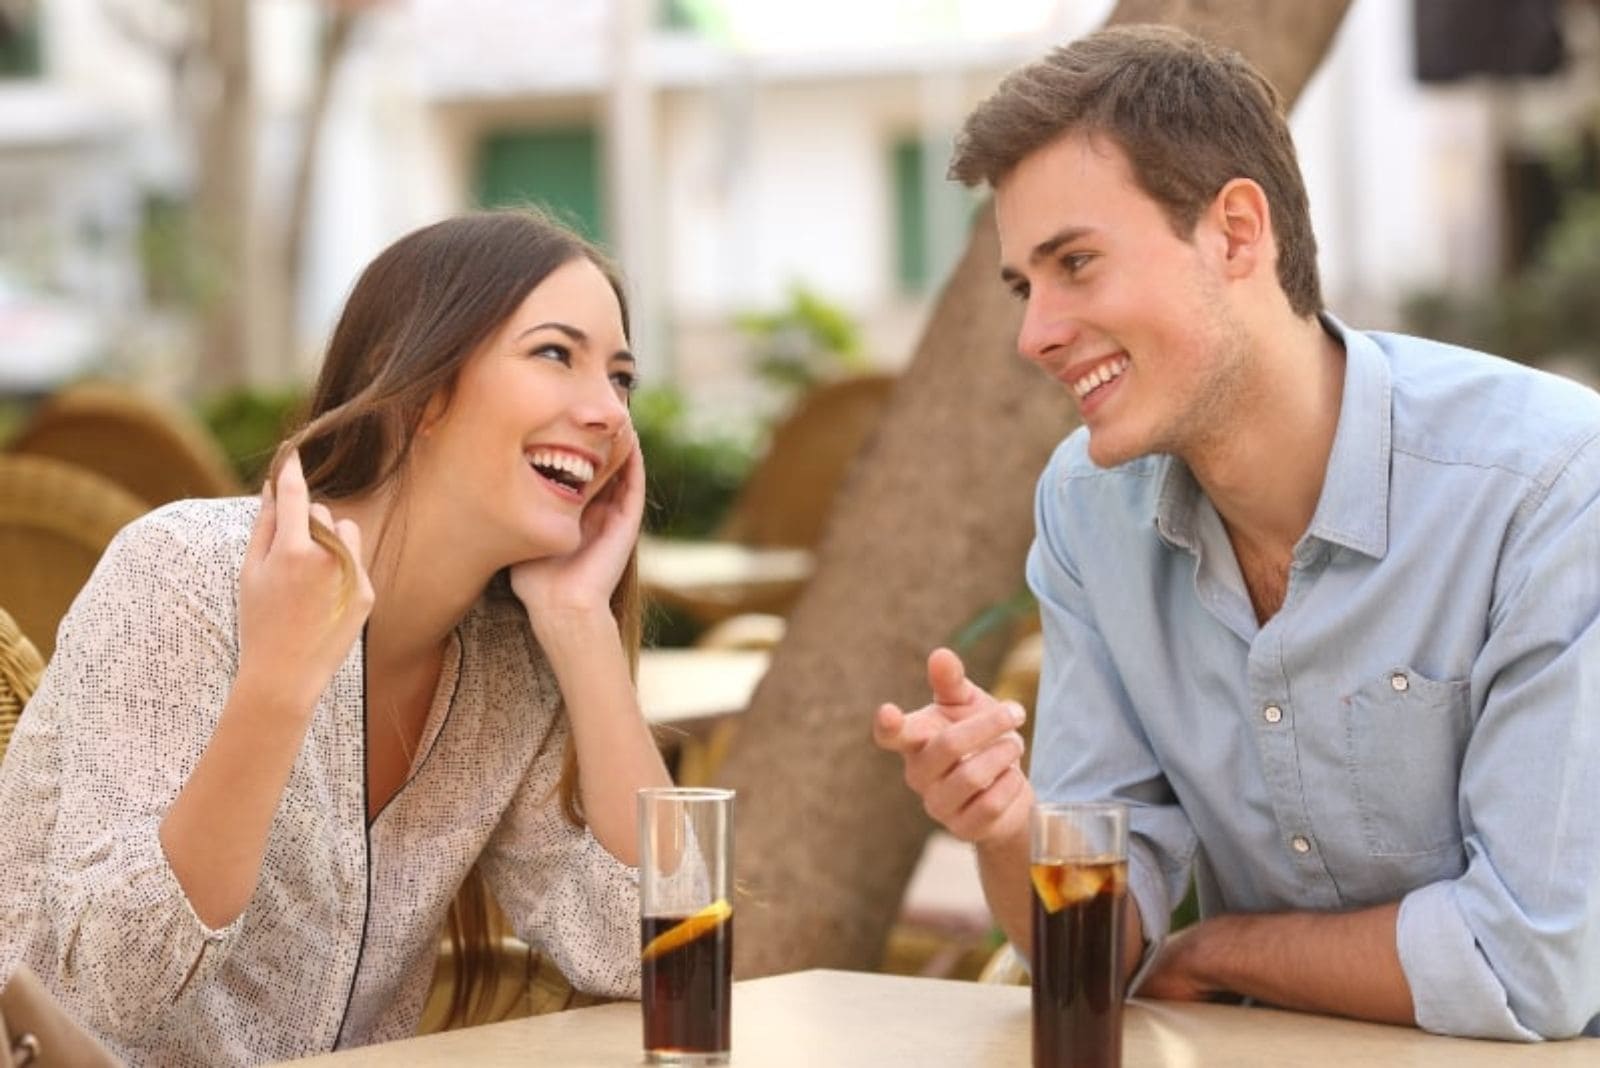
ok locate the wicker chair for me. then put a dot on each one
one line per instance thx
(55, 521)
(787, 498)
(156, 452)
(20, 668)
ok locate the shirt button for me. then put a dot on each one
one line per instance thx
(1272, 713)
(1399, 681)
(1300, 844)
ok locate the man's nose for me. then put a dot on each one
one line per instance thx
(1047, 326)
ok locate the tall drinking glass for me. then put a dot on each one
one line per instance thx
(1079, 867)
(686, 924)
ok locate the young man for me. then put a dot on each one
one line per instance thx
(1319, 605)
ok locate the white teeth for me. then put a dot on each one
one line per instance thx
(576, 466)
(1100, 376)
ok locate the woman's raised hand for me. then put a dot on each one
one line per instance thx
(553, 589)
(300, 606)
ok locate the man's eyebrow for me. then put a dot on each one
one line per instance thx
(1045, 249)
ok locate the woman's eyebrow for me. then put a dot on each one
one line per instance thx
(571, 331)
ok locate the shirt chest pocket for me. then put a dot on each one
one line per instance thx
(1405, 735)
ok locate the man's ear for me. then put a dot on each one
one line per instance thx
(1243, 220)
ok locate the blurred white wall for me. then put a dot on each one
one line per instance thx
(773, 145)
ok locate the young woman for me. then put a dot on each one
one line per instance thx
(278, 734)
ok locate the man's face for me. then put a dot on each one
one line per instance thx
(1132, 319)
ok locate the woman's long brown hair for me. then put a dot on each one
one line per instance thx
(417, 314)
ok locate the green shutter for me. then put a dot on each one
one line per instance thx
(556, 168)
(910, 214)
(20, 54)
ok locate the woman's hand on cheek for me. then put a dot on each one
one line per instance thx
(582, 581)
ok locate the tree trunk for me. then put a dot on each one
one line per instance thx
(224, 191)
(930, 528)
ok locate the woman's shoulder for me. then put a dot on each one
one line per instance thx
(200, 532)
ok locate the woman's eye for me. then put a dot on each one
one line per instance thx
(559, 353)
(626, 381)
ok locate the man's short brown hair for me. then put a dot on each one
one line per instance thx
(1190, 115)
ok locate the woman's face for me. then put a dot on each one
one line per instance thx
(537, 422)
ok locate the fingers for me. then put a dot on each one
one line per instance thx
(948, 678)
(964, 781)
(888, 729)
(633, 478)
(1006, 799)
(262, 530)
(350, 534)
(293, 505)
(959, 743)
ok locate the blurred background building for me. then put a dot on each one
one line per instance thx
(188, 187)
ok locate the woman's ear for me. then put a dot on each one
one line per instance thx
(433, 413)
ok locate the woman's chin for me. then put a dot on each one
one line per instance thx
(552, 536)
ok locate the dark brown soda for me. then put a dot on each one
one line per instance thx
(687, 989)
(1077, 964)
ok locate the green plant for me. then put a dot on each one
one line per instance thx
(1549, 310)
(249, 424)
(806, 340)
(691, 478)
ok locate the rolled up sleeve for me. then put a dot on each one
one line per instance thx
(142, 668)
(1511, 948)
(1087, 742)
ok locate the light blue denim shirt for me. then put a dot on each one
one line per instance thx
(1419, 722)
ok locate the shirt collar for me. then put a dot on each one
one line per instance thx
(1353, 510)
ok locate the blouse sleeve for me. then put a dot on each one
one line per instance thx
(142, 667)
(564, 891)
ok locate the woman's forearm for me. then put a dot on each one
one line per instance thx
(215, 834)
(616, 752)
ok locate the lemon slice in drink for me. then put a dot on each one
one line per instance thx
(1044, 884)
(719, 911)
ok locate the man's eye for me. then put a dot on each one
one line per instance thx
(1076, 261)
(1019, 292)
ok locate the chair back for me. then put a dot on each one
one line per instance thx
(155, 451)
(55, 521)
(20, 668)
(787, 498)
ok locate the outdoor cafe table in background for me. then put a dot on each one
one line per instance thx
(834, 1019)
(712, 580)
(690, 693)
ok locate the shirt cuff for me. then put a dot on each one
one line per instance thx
(1148, 888)
(1453, 989)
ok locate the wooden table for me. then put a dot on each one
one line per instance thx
(845, 1019)
(713, 580)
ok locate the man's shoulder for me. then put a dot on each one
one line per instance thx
(1073, 487)
(1070, 463)
(1453, 405)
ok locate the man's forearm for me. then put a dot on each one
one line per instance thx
(1340, 963)
(1003, 867)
